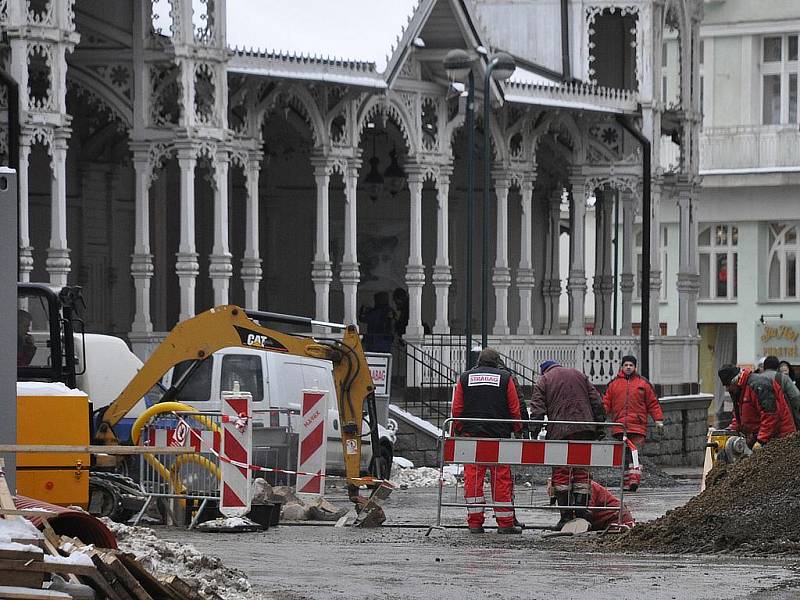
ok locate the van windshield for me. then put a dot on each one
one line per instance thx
(198, 386)
(246, 369)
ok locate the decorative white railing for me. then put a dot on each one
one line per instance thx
(760, 147)
(597, 356)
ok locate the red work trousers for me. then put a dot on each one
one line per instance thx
(502, 490)
(574, 479)
(632, 476)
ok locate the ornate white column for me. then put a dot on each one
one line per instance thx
(501, 274)
(525, 279)
(415, 270)
(655, 256)
(350, 274)
(603, 284)
(220, 267)
(58, 261)
(251, 262)
(25, 249)
(442, 276)
(576, 285)
(321, 272)
(186, 265)
(142, 258)
(688, 280)
(627, 280)
(551, 288)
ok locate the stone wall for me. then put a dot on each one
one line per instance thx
(682, 442)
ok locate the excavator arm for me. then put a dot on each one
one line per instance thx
(197, 338)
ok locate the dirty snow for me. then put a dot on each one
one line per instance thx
(161, 557)
(420, 477)
(76, 558)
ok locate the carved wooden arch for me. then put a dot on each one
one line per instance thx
(499, 143)
(566, 123)
(394, 111)
(298, 96)
(117, 105)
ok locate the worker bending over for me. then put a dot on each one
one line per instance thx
(760, 410)
(600, 520)
(487, 392)
(628, 400)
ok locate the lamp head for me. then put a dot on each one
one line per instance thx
(504, 66)
(458, 63)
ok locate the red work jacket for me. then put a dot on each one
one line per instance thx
(759, 414)
(629, 401)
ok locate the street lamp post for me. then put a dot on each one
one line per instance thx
(458, 64)
(501, 66)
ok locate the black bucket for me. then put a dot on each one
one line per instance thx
(266, 515)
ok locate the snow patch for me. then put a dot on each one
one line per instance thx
(18, 529)
(421, 477)
(39, 388)
(415, 420)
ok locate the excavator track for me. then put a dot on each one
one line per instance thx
(114, 495)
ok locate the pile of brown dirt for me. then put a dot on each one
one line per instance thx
(750, 507)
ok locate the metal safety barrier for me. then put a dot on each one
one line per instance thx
(518, 453)
(183, 477)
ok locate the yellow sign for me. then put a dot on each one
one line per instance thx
(779, 338)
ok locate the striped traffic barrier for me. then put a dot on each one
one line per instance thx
(237, 444)
(312, 442)
(577, 454)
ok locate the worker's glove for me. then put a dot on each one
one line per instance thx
(660, 424)
(757, 446)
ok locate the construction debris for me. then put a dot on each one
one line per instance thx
(748, 507)
(420, 477)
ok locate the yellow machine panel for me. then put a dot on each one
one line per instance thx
(52, 420)
(66, 487)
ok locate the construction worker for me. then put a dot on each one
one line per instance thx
(628, 400)
(565, 394)
(487, 391)
(599, 520)
(789, 388)
(760, 410)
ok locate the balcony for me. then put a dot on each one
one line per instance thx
(759, 148)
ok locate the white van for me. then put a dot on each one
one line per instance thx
(275, 381)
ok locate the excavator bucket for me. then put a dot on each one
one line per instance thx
(368, 510)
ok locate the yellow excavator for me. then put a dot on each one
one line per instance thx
(195, 340)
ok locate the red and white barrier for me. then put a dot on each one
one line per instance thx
(313, 443)
(202, 441)
(237, 444)
(533, 452)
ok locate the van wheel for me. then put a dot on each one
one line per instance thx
(384, 461)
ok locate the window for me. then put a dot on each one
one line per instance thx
(637, 292)
(779, 69)
(246, 369)
(784, 261)
(719, 261)
(198, 385)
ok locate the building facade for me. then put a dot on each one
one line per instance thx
(167, 173)
(749, 209)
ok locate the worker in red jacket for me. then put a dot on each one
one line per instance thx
(628, 400)
(599, 520)
(760, 410)
(488, 392)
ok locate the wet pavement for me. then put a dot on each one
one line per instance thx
(320, 562)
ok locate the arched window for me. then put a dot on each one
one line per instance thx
(719, 261)
(784, 261)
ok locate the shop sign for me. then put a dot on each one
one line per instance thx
(779, 338)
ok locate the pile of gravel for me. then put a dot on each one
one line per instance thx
(749, 507)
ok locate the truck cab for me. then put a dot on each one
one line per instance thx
(276, 382)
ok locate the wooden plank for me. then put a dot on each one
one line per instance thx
(51, 543)
(85, 571)
(6, 500)
(16, 512)
(149, 582)
(95, 450)
(129, 581)
(19, 593)
(180, 587)
(111, 577)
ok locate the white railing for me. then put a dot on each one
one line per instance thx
(759, 147)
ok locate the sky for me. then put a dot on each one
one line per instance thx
(355, 29)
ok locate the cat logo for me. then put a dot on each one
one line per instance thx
(254, 339)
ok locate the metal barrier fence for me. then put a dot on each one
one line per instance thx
(517, 453)
(195, 478)
(187, 476)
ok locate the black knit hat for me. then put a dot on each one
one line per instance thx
(727, 373)
(628, 358)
